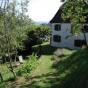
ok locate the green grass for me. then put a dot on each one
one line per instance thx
(7, 75)
(71, 71)
(67, 71)
(44, 66)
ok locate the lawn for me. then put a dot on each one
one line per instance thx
(67, 71)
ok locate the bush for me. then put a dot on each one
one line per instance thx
(37, 35)
(29, 65)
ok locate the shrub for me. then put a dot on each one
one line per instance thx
(37, 35)
(29, 65)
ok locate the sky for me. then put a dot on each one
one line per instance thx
(43, 10)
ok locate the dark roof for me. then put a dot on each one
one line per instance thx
(58, 19)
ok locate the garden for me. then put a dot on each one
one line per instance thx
(68, 70)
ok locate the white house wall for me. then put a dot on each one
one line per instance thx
(65, 32)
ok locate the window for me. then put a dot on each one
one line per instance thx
(85, 29)
(57, 27)
(57, 38)
(79, 43)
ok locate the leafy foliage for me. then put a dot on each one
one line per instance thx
(28, 66)
(13, 28)
(37, 35)
(76, 12)
(14, 24)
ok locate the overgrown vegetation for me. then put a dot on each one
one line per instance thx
(76, 12)
(67, 71)
(37, 35)
(18, 33)
(29, 65)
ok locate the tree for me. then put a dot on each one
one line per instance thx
(12, 29)
(36, 35)
(77, 12)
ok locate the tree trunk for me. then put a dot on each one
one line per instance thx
(11, 67)
(1, 77)
(85, 38)
(7, 37)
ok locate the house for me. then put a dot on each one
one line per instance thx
(61, 29)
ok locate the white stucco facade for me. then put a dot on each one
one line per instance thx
(64, 32)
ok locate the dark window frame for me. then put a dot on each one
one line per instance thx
(85, 29)
(79, 42)
(57, 27)
(56, 38)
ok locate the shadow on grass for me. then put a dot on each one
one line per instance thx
(71, 72)
(74, 70)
